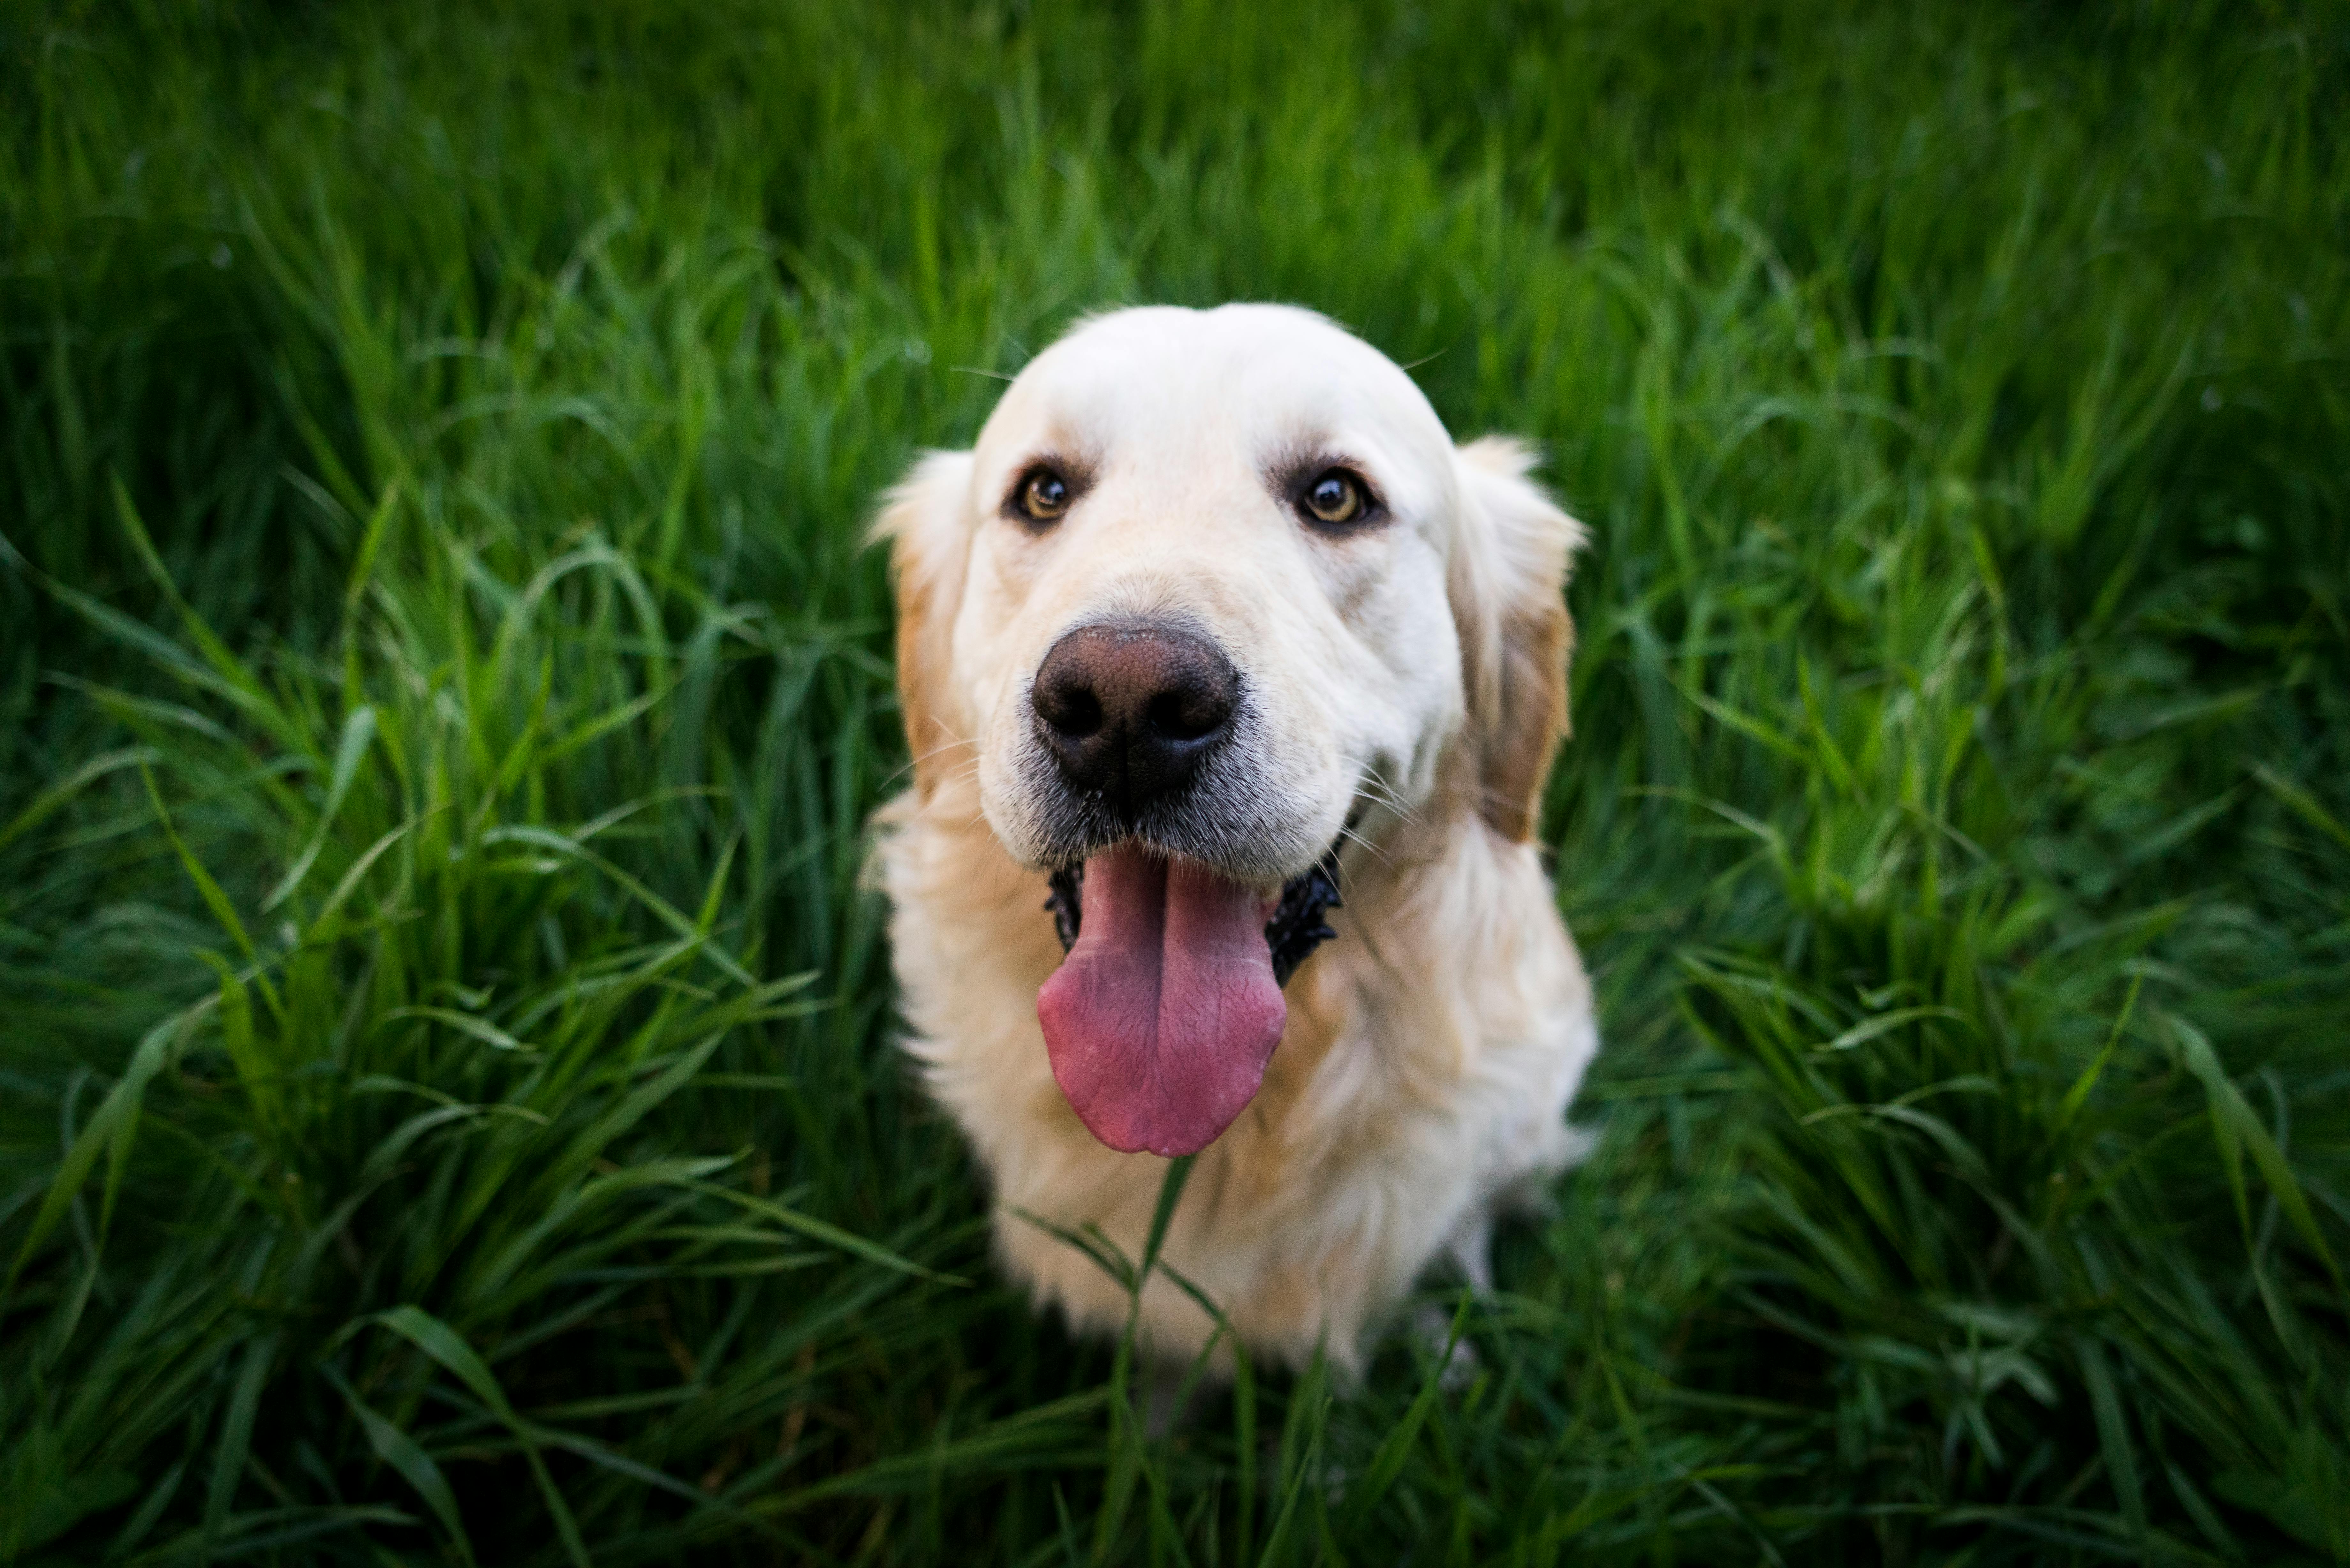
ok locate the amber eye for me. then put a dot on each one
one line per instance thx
(1336, 497)
(1043, 495)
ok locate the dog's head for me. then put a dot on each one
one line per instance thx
(1213, 589)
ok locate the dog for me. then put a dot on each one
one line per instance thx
(1222, 666)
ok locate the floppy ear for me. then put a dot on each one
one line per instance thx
(1507, 580)
(930, 550)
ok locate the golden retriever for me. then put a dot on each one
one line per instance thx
(1216, 622)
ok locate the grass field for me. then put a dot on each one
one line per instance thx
(448, 1110)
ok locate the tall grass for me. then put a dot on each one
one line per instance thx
(447, 1106)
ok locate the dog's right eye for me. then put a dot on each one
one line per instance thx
(1043, 495)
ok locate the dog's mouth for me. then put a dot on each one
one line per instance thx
(1161, 1019)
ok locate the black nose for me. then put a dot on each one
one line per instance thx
(1131, 712)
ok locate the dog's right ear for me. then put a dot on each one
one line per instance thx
(930, 553)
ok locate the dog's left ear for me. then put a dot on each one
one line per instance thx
(1507, 583)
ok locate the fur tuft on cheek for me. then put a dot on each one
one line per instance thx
(1507, 583)
(924, 521)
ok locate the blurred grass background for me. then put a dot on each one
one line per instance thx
(447, 1104)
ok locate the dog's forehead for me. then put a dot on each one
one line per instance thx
(1256, 378)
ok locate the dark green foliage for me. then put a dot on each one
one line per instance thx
(447, 1110)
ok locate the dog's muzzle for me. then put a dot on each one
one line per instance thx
(1165, 1010)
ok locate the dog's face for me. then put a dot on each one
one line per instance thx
(1213, 588)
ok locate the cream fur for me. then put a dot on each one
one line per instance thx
(1413, 675)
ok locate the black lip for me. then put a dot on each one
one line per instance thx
(1297, 928)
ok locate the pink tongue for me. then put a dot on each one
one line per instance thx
(1162, 1017)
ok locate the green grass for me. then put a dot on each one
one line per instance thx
(447, 1103)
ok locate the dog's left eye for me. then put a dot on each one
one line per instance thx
(1334, 497)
